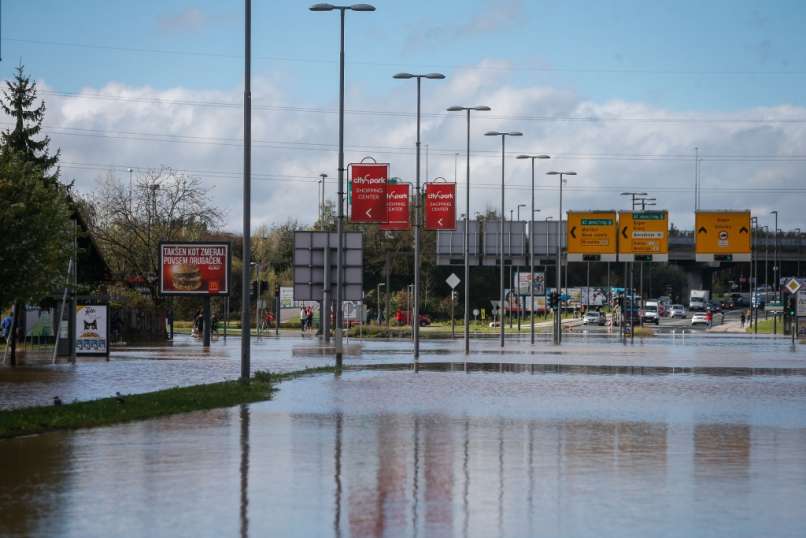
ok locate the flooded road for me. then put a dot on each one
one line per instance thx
(435, 453)
(184, 362)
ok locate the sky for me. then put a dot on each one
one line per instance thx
(622, 92)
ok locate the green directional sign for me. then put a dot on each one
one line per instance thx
(597, 222)
(648, 215)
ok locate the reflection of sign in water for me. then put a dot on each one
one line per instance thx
(92, 329)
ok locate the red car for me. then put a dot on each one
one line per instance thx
(402, 317)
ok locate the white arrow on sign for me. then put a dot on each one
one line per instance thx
(439, 221)
(453, 280)
(369, 212)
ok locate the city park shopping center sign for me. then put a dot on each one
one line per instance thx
(195, 268)
(440, 206)
(368, 198)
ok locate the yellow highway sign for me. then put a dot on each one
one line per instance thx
(643, 236)
(722, 236)
(591, 236)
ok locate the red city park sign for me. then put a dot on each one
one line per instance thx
(440, 206)
(397, 207)
(369, 182)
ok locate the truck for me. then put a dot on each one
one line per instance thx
(698, 300)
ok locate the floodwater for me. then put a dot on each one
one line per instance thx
(435, 453)
(184, 362)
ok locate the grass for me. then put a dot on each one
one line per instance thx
(127, 408)
(765, 326)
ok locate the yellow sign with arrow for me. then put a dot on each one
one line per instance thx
(723, 236)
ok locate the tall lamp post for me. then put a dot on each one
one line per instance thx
(322, 205)
(340, 200)
(531, 243)
(417, 211)
(468, 109)
(503, 136)
(775, 269)
(517, 285)
(797, 256)
(558, 336)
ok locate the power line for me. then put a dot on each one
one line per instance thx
(508, 67)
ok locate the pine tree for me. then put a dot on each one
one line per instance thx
(18, 101)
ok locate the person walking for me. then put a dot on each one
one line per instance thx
(743, 318)
(309, 317)
(302, 319)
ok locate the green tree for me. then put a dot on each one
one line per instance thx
(18, 101)
(34, 217)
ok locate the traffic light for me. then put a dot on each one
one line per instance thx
(791, 306)
(554, 299)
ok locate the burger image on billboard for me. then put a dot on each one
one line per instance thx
(186, 277)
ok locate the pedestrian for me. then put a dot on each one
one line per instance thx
(309, 317)
(198, 323)
(743, 319)
(302, 319)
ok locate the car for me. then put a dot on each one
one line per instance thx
(593, 318)
(651, 313)
(701, 318)
(677, 311)
(713, 306)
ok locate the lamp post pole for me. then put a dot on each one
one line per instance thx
(558, 317)
(531, 245)
(503, 136)
(378, 300)
(340, 199)
(776, 270)
(322, 206)
(417, 212)
(517, 285)
(480, 108)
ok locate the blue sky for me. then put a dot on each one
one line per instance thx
(620, 91)
(716, 55)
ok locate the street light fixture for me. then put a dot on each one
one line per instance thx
(417, 211)
(531, 241)
(340, 200)
(468, 109)
(322, 204)
(503, 136)
(558, 332)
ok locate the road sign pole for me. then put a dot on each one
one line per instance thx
(467, 243)
(417, 225)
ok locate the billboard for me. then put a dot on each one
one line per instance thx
(440, 206)
(92, 329)
(524, 283)
(368, 200)
(643, 236)
(722, 236)
(397, 207)
(194, 268)
(591, 236)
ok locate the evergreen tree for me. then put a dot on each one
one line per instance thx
(18, 101)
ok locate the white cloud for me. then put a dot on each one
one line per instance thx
(614, 145)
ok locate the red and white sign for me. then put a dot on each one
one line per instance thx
(369, 192)
(440, 206)
(194, 268)
(397, 207)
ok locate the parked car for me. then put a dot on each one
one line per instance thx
(594, 318)
(700, 318)
(714, 306)
(677, 311)
(402, 317)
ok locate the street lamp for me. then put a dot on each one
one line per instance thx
(517, 273)
(558, 337)
(531, 241)
(503, 136)
(322, 204)
(417, 211)
(131, 171)
(340, 200)
(775, 269)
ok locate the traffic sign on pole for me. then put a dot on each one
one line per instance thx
(591, 236)
(643, 236)
(440, 206)
(397, 207)
(722, 236)
(453, 280)
(369, 182)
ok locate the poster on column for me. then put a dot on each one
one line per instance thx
(368, 198)
(440, 206)
(397, 207)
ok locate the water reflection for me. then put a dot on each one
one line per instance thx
(348, 457)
